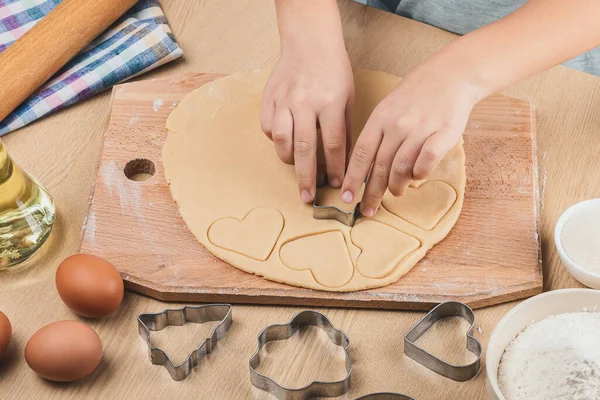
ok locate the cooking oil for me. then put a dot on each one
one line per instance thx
(26, 213)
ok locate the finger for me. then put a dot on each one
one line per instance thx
(333, 130)
(433, 151)
(305, 153)
(348, 117)
(267, 110)
(282, 134)
(379, 177)
(402, 167)
(361, 159)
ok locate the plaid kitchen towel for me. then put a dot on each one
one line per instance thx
(138, 42)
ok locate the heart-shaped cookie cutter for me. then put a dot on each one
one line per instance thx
(178, 317)
(347, 218)
(459, 373)
(285, 331)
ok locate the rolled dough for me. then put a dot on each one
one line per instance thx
(242, 204)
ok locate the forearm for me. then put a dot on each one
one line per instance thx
(541, 34)
(305, 22)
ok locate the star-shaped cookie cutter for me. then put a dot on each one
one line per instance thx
(285, 331)
(458, 373)
(178, 317)
(347, 218)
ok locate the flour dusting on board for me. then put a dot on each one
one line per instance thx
(157, 104)
(89, 227)
(129, 194)
(555, 358)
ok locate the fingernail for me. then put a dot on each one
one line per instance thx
(305, 195)
(368, 212)
(347, 197)
(335, 182)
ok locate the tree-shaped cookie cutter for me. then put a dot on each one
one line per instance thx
(178, 317)
(332, 212)
(459, 373)
(285, 331)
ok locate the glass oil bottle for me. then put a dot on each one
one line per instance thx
(27, 213)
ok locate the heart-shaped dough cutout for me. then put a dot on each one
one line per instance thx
(378, 258)
(253, 236)
(325, 255)
(423, 206)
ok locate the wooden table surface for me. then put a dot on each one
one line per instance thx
(62, 152)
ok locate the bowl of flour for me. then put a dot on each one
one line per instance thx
(547, 348)
(577, 239)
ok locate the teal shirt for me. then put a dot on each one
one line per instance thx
(464, 16)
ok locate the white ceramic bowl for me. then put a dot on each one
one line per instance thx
(583, 275)
(531, 310)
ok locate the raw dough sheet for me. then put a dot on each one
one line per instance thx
(241, 202)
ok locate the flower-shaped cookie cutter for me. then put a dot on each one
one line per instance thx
(458, 373)
(285, 331)
(178, 317)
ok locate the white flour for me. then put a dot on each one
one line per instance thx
(580, 239)
(157, 104)
(555, 358)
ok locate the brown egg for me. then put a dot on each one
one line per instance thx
(64, 351)
(5, 333)
(89, 285)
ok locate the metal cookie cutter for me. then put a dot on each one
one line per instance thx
(179, 317)
(385, 396)
(285, 331)
(332, 212)
(459, 373)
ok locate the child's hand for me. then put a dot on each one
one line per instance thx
(409, 133)
(311, 84)
(307, 88)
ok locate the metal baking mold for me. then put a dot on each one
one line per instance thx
(347, 218)
(178, 317)
(285, 331)
(385, 396)
(459, 373)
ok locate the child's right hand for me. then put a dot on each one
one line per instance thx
(311, 84)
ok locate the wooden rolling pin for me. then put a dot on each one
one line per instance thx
(37, 55)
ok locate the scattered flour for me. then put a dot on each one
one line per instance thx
(580, 239)
(156, 104)
(556, 358)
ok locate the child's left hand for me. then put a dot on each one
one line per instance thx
(409, 133)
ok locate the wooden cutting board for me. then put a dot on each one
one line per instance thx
(491, 256)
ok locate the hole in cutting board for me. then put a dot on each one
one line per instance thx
(139, 169)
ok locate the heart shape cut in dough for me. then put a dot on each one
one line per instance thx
(325, 255)
(423, 206)
(253, 236)
(379, 258)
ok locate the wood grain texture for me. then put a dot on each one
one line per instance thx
(491, 256)
(62, 151)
